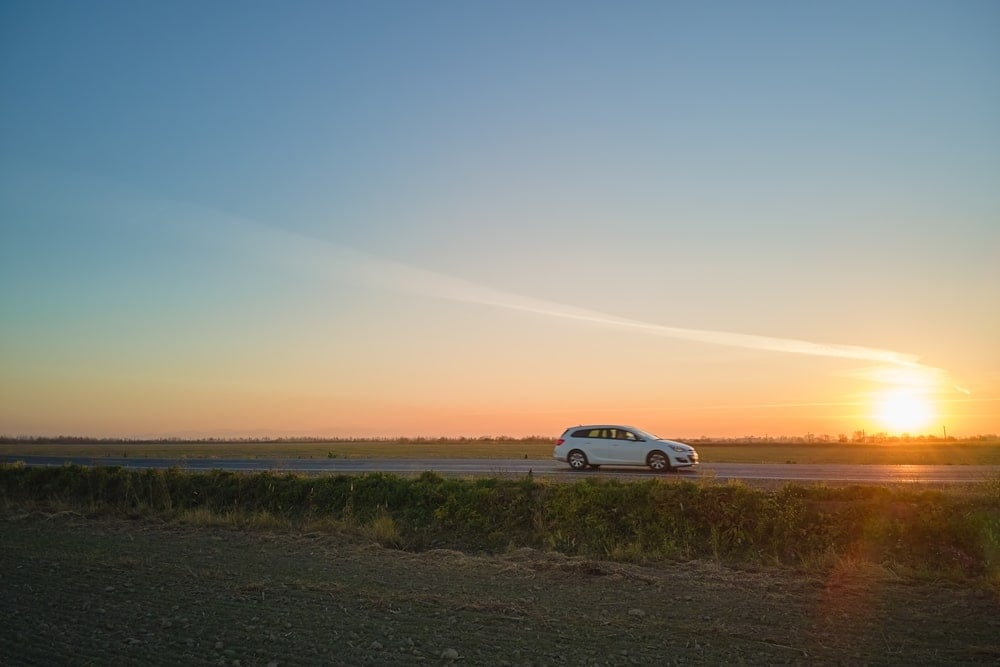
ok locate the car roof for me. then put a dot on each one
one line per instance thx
(621, 426)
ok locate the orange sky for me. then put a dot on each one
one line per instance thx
(355, 219)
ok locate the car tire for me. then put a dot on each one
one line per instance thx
(577, 460)
(659, 462)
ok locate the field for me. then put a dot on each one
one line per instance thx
(107, 565)
(960, 452)
(84, 589)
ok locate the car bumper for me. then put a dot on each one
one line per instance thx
(684, 461)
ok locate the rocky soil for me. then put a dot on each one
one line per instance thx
(98, 590)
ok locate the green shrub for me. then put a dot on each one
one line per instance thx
(923, 531)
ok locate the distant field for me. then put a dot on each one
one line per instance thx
(106, 564)
(953, 453)
(986, 452)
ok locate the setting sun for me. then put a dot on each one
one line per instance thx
(904, 410)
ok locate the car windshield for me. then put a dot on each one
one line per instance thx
(646, 435)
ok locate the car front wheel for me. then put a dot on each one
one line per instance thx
(577, 460)
(658, 461)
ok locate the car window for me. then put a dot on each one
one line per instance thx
(607, 434)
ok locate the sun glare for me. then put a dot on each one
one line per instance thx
(904, 411)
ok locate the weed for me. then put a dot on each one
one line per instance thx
(383, 530)
(953, 535)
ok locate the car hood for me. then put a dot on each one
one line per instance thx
(676, 444)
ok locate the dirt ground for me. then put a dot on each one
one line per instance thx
(98, 590)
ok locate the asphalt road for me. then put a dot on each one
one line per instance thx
(872, 474)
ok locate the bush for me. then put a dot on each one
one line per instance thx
(924, 531)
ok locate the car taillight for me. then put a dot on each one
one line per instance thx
(559, 442)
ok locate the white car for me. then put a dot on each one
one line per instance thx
(609, 444)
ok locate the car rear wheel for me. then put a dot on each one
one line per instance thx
(658, 461)
(577, 460)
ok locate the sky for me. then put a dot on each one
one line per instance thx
(466, 219)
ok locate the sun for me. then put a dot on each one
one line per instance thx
(904, 410)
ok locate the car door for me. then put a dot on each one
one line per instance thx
(622, 447)
(594, 443)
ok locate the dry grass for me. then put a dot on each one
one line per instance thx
(985, 452)
(896, 453)
(360, 449)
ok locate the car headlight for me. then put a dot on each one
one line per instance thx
(679, 449)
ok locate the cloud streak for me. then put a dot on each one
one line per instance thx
(341, 263)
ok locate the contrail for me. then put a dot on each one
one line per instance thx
(300, 252)
(348, 264)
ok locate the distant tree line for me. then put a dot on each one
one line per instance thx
(856, 438)
(88, 440)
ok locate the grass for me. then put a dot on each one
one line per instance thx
(971, 452)
(930, 533)
(357, 449)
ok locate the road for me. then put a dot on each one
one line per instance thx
(861, 474)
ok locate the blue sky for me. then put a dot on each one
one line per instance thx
(810, 171)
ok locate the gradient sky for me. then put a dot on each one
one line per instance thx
(471, 218)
